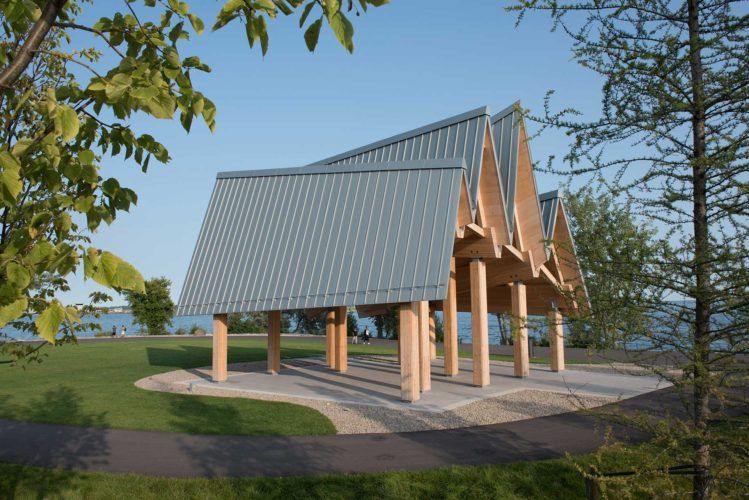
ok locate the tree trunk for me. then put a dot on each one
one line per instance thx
(702, 293)
(34, 39)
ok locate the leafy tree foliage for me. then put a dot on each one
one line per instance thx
(352, 324)
(65, 109)
(387, 324)
(672, 139)
(153, 309)
(303, 323)
(614, 252)
(253, 322)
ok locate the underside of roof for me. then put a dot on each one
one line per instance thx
(460, 136)
(353, 234)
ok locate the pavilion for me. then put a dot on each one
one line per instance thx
(444, 217)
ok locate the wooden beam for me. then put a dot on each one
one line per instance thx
(527, 207)
(479, 323)
(341, 341)
(374, 310)
(450, 324)
(432, 334)
(465, 215)
(425, 382)
(330, 338)
(519, 327)
(474, 246)
(220, 347)
(274, 342)
(493, 213)
(408, 338)
(556, 340)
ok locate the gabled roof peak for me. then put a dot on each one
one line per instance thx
(509, 109)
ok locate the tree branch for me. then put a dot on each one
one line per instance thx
(36, 35)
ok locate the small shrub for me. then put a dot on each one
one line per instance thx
(197, 331)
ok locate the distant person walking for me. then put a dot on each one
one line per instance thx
(114, 331)
(123, 332)
(366, 336)
(355, 338)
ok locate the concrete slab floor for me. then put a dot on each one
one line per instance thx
(376, 381)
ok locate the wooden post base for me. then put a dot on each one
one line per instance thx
(479, 323)
(220, 348)
(556, 340)
(450, 324)
(274, 342)
(519, 328)
(408, 338)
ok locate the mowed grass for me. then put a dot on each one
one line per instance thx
(91, 384)
(539, 480)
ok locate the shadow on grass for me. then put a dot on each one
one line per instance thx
(195, 416)
(192, 356)
(48, 445)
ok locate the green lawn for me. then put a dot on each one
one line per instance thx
(91, 384)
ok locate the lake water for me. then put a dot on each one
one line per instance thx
(206, 323)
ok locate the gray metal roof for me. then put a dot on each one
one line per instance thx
(549, 205)
(322, 237)
(460, 136)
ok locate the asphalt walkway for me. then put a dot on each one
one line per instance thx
(188, 455)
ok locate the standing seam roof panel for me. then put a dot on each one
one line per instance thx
(301, 240)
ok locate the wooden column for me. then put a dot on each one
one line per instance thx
(479, 323)
(519, 324)
(450, 323)
(432, 335)
(408, 338)
(330, 338)
(425, 374)
(274, 342)
(556, 340)
(341, 346)
(220, 346)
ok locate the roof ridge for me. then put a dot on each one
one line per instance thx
(549, 195)
(445, 122)
(315, 169)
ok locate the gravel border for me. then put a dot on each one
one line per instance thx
(360, 419)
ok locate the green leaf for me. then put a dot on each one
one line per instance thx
(113, 272)
(17, 275)
(10, 179)
(197, 23)
(69, 122)
(162, 106)
(12, 311)
(262, 32)
(344, 30)
(172, 57)
(86, 157)
(118, 85)
(84, 204)
(312, 35)
(145, 93)
(305, 13)
(48, 323)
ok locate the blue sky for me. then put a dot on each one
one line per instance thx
(415, 62)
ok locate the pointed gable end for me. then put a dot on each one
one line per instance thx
(519, 182)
